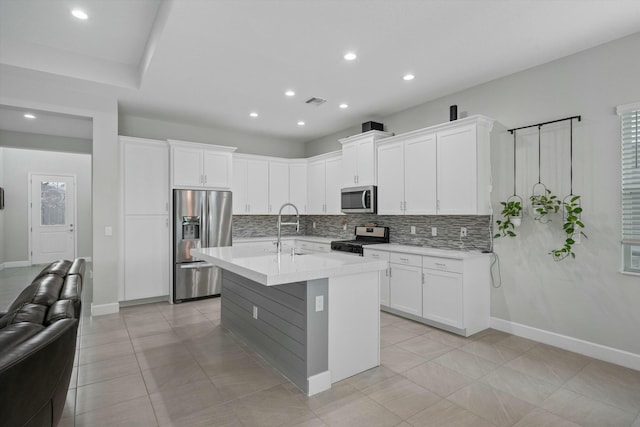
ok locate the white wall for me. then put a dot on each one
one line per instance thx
(247, 143)
(36, 141)
(586, 298)
(18, 164)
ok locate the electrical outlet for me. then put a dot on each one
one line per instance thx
(413, 229)
(434, 231)
(255, 312)
(344, 226)
(319, 302)
(314, 224)
(463, 231)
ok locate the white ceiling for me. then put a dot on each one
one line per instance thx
(211, 62)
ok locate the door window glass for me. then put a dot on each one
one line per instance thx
(52, 203)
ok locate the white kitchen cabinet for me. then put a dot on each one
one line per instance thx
(442, 297)
(145, 209)
(195, 165)
(359, 158)
(250, 186)
(298, 185)
(405, 283)
(383, 276)
(278, 186)
(324, 184)
(146, 255)
(407, 175)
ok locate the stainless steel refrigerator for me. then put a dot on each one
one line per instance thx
(201, 218)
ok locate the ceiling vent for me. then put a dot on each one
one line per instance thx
(315, 101)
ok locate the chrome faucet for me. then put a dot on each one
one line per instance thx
(280, 223)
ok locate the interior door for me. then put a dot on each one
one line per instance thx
(53, 223)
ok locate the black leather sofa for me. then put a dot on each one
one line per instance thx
(37, 346)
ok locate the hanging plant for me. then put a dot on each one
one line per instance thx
(572, 226)
(544, 204)
(511, 217)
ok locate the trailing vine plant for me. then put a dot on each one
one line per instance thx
(572, 226)
(510, 209)
(544, 204)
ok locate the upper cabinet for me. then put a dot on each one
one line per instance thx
(446, 170)
(359, 158)
(298, 185)
(250, 185)
(196, 165)
(324, 183)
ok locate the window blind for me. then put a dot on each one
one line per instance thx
(630, 175)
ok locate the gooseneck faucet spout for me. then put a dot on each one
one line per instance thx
(280, 223)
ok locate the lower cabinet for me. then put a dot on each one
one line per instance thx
(383, 276)
(405, 283)
(146, 267)
(442, 297)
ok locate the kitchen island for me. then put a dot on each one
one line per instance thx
(315, 317)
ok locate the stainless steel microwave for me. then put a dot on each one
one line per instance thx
(359, 199)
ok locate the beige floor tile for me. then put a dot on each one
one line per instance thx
(541, 418)
(425, 347)
(401, 396)
(73, 381)
(151, 328)
(437, 378)
(192, 319)
(493, 405)
(134, 412)
(166, 355)
(493, 352)
(567, 357)
(517, 343)
(108, 393)
(522, 386)
(447, 414)
(370, 377)
(107, 370)
(467, 364)
(637, 423)
(398, 359)
(174, 404)
(490, 336)
(214, 415)
(550, 369)
(271, 407)
(105, 352)
(69, 404)
(585, 411)
(392, 335)
(100, 338)
(339, 394)
(199, 331)
(388, 319)
(156, 340)
(448, 338)
(362, 412)
(238, 378)
(174, 375)
(414, 327)
(67, 422)
(101, 324)
(615, 385)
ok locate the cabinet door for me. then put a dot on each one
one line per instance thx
(146, 179)
(216, 169)
(390, 179)
(239, 187)
(146, 250)
(350, 165)
(298, 186)
(405, 288)
(420, 176)
(258, 187)
(383, 276)
(366, 163)
(187, 167)
(442, 297)
(332, 186)
(278, 187)
(457, 171)
(316, 186)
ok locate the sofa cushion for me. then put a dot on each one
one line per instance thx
(43, 290)
(60, 268)
(17, 333)
(77, 267)
(72, 287)
(34, 313)
(62, 309)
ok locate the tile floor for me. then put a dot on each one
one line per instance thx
(161, 364)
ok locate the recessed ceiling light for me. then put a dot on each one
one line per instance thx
(29, 116)
(289, 93)
(350, 56)
(408, 77)
(344, 105)
(80, 14)
(300, 123)
(253, 114)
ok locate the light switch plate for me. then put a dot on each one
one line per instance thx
(319, 303)
(108, 231)
(413, 229)
(255, 312)
(434, 231)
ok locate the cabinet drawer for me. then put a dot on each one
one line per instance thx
(444, 264)
(369, 253)
(406, 259)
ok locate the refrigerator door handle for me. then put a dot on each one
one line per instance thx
(196, 265)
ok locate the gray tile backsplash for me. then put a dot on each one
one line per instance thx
(478, 228)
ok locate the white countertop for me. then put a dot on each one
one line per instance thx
(269, 268)
(315, 239)
(423, 250)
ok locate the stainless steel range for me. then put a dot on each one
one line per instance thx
(364, 236)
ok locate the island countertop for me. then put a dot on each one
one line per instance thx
(270, 268)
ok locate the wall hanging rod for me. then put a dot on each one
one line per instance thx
(546, 123)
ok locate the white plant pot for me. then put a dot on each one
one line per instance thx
(516, 220)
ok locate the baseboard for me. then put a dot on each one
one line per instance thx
(12, 264)
(587, 348)
(319, 382)
(101, 309)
